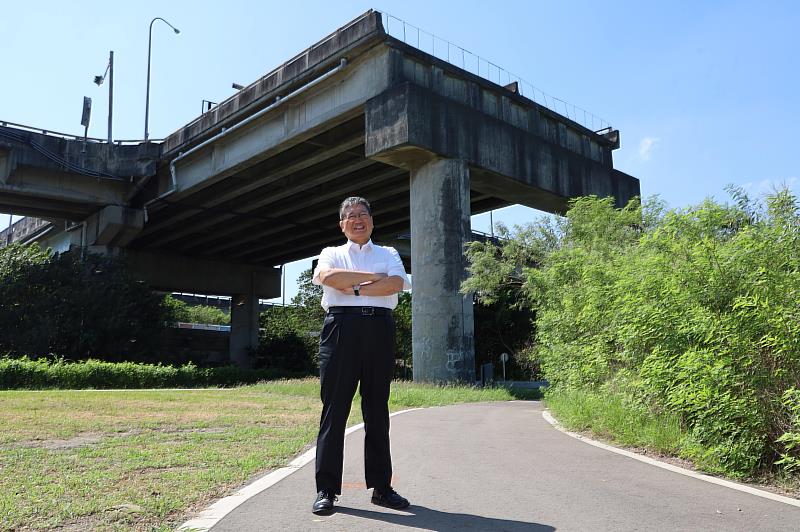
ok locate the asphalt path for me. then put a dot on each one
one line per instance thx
(501, 466)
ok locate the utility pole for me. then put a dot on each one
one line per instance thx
(99, 81)
(110, 92)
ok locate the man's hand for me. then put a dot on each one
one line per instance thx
(385, 287)
(343, 279)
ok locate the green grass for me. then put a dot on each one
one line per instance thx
(608, 416)
(144, 459)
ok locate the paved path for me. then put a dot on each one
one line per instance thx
(501, 466)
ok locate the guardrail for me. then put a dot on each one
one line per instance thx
(471, 62)
(69, 136)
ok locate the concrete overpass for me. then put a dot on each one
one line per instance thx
(256, 182)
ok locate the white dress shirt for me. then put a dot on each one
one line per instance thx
(367, 258)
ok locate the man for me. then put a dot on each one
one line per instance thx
(360, 283)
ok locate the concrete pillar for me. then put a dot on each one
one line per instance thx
(244, 329)
(442, 318)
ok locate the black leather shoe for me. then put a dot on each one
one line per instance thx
(389, 498)
(324, 503)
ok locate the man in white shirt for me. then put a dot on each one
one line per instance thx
(360, 282)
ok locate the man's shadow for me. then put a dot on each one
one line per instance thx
(426, 518)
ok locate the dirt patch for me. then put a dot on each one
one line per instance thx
(92, 438)
(81, 440)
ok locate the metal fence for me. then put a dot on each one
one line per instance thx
(471, 62)
(70, 136)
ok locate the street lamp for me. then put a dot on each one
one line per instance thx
(149, 45)
(99, 81)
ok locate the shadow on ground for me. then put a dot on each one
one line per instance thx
(429, 519)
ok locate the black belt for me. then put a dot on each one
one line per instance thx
(361, 311)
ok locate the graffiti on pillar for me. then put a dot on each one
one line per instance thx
(455, 360)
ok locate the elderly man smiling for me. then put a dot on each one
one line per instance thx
(360, 282)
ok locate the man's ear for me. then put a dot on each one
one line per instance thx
(341, 225)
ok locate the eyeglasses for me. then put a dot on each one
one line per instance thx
(353, 216)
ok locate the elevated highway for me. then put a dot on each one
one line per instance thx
(256, 182)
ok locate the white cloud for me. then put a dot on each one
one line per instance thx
(646, 147)
(767, 186)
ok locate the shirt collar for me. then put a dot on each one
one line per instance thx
(354, 246)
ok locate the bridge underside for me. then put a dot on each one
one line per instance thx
(257, 181)
(284, 208)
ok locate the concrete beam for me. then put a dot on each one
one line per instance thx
(348, 41)
(47, 187)
(178, 273)
(410, 126)
(332, 102)
(7, 163)
(114, 226)
(68, 155)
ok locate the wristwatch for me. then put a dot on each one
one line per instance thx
(356, 289)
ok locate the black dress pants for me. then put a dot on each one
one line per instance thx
(355, 349)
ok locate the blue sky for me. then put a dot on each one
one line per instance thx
(703, 93)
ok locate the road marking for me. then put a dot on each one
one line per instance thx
(675, 469)
(214, 513)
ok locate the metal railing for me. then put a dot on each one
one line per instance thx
(475, 64)
(69, 136)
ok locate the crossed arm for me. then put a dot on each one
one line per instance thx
(372, 284)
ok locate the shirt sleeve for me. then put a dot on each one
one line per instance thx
(325, 263)
(396, 267)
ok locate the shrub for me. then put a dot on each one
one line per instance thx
(24, 373)
(689, 312)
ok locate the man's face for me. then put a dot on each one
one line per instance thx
(357, 224)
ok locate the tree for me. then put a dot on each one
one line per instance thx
(403, 343)
(75, 307)
(290, 334)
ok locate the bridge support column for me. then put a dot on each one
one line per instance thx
(244, 329)
(442, 325)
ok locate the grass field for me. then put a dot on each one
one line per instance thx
(145, 459)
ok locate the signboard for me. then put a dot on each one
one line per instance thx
(87, 111)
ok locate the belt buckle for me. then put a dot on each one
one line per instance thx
(367, 311)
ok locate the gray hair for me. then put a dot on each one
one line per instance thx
(351, 201)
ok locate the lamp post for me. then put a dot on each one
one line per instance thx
(99, 81)
(149, 47)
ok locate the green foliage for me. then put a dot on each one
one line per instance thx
(503, 327)
(284, 342)
(179, 311)
(175, 309)
(790, 454)
(290, 334)
(72, 306)
(24, 373)
(612, 414)
(691, 313)
(403, 343)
